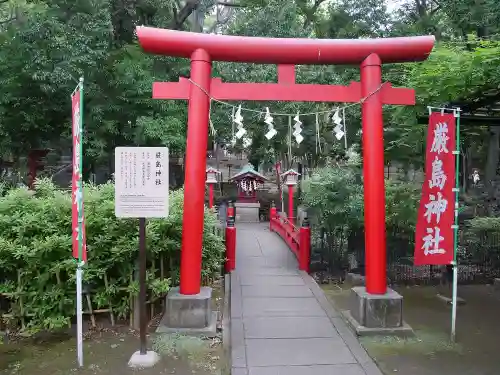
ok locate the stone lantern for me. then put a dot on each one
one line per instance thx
(290, 178)
(212, 179)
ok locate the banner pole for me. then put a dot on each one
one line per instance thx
(455, 227)
(79, 271)
(79, 316)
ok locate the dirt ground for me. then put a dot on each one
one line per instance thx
(108, 350)
(107, 353)
(430, 352)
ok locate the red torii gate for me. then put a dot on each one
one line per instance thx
(202, 49)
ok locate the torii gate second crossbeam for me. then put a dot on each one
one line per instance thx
(202, 49)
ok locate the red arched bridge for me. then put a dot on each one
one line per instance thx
(281, 322)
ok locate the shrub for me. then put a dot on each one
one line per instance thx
(37, 268)
(334, 197)
(402, 200)
(480, 240)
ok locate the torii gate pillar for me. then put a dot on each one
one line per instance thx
(373, 173)
(195, 171)
(369, 54)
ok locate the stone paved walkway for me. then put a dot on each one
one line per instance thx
(281, 322)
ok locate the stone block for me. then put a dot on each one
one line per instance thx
(355, 279)
(188, 311)
(147, 360)
(377, 310)
(373, 314)
(247, 212)
(449, 300)
(404, 331)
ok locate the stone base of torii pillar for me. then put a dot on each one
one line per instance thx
(189, 315)
(376, 314)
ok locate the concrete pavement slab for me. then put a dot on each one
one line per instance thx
(295, 352)
(273, 306)
(289, 327)
(281, 321)
(247, 279)
(272, 290)
(308, 370)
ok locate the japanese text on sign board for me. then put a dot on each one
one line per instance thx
(158, 171)
(434, 231)
(141, 182)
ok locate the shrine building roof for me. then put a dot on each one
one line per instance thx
(248, 171)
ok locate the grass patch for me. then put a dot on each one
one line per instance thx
(196, 350)
(424, 342)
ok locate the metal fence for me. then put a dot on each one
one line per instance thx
(335, 253)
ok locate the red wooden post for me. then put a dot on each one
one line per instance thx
(305, 246)
(272, 215)
(35, 164)
(230, 245)
(290, 204)
(210, 195)
(373, 164)
(230, 209)
(32, 169)
(194, 183)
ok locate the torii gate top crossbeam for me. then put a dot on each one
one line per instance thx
(284, 50)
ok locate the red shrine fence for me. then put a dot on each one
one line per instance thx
(298, 239)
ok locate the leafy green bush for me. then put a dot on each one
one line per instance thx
(334, 197)
(480, 240)
(37, 269)
(401, 204)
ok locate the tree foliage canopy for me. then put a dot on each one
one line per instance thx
(46, 45)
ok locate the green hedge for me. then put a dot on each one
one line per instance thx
(334, 198)
(37, 269)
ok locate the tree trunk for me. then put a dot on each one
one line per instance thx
(491, 165)
(300, 170)
(197, 19)
(467, 165)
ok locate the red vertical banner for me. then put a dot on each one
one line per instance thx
(77, 185)
(436, 213)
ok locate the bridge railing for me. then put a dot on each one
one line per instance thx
(298, 239)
